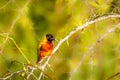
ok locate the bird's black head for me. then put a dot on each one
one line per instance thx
(50, 37)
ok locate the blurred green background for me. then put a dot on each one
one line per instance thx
(27, 22)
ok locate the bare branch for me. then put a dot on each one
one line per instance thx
(92, 47)
(5, 4)
(17, 47)
(11, 74)
(31, 72)
(12, 26)
(42, 71)
(111, 77)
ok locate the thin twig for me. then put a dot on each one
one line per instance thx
(20, 50)
(114, 75)
(17, 48)
(30, 73)
(11, 74)
(37, 67)
(5, 4)
(12, 26)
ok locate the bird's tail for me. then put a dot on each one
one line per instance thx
(38, 60)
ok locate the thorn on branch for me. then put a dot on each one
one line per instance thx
(98, 41)
(82, 29)
(67, 42)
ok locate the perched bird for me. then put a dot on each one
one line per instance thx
(45, 47)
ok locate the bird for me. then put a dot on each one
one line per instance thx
(45, 47)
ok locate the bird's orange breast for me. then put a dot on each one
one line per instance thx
(46, 49)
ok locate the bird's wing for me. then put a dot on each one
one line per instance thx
(40, 45)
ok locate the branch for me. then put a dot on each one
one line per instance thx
(12, 26)
(113, 76)
(11, 74)
(33, 67)
(30, 73)
(76, 30)
(5, 4)
(16, 47)
(25, 70)
(92, 47)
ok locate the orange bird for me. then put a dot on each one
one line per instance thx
(45, 47)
